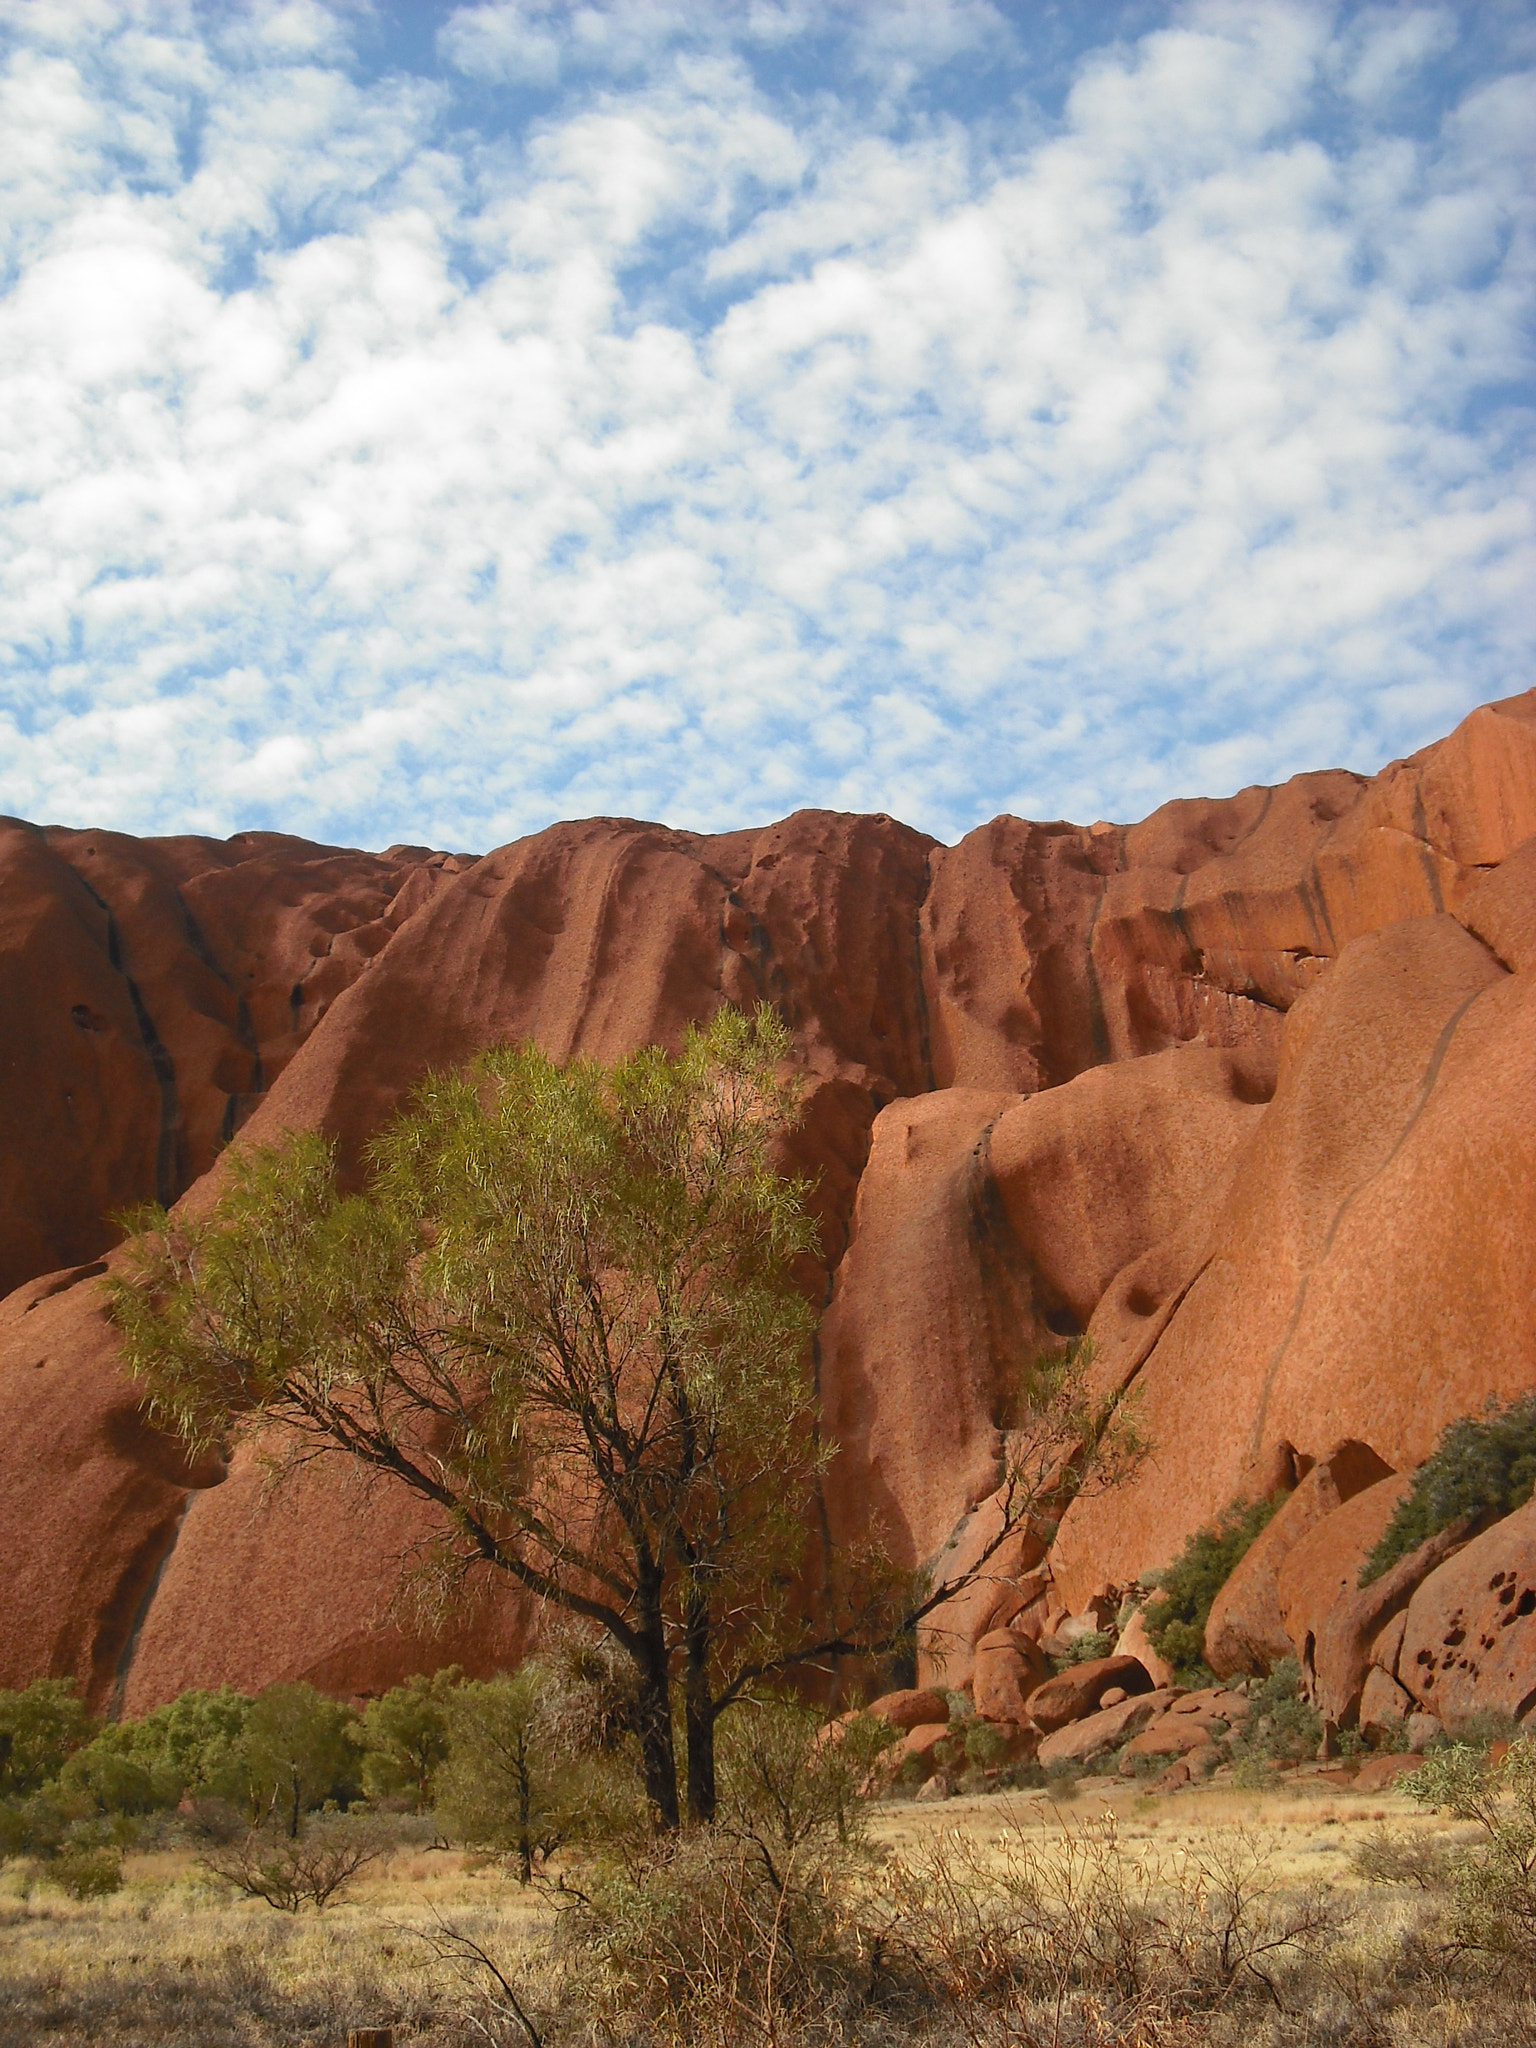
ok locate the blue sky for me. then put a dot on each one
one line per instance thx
(427, 422)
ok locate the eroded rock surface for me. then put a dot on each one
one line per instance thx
(1247, 1091)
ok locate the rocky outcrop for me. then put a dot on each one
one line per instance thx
(1247, 1091)
(1246, 1631)
(1468, 1641)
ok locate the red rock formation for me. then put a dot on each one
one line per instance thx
(1469, 1640)
(1103, 1012)
(1246, 1631)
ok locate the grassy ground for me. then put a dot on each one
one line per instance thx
(170, 1961)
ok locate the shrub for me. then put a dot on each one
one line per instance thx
(307, 1868)
(1282, 1728)
(405, 1734)
(502, 1786)
(1175, 1619)
(39, 1728)
(1481, 1467)
(297, 1752)
(1495, 1882)
(86, 1873)
(1097, 1643)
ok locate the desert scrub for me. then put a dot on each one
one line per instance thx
(1494, 1882)
(1283, 1727)
(1175, 1618)
(1483, 1467)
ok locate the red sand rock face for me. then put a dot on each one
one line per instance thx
(1354, 1258)
(1335, 1293)
(152, 989)
(91, 1497)
(1469, 1641)
(1246, 1631)
(307, 1584)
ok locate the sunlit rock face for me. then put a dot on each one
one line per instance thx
(1246, 1092)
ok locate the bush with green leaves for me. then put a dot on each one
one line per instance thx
(40, 1728)
(1282, 1728)
(297, 1752)
(1087, 1649)
(1175, 1619)
(1495, 1880)
(87, 1871)
(1483, 1467)
(502, 1785)
(405, 1737)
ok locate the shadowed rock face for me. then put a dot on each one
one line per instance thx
(1248, 1091)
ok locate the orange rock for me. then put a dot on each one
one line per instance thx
(1384, 1706)
(1246, 1631)
(1009, 1669)
(1135, 1642)
(1169, 1735)
(1335, 1295)
(1078, 1690)
(1381, 1773)
(917, 1747)
(910, 1708)
(1469, 1639)
(1079, 1742)
(306, 1583)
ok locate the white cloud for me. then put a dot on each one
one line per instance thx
(708, 446)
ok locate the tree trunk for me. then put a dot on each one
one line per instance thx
(658, 1757)
(699, 1714)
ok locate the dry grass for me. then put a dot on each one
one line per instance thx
(170, 1962)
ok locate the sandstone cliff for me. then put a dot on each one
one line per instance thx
(1246, 1091)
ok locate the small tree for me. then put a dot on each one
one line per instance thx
(562, 1313)
(39, 1727)
(405, 1736)
(1186, 1590)
(501, 1785)
(298, 1752)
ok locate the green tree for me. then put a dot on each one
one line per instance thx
(563, 1313)
(40, 1727)
(405, 1736)
(298, 1752)
(502, 1786)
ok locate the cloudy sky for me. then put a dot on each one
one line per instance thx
(424, 422)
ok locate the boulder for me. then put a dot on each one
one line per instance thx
(1079, 1689)
(1381, 1773)
(1169, 1735)
(1340, 1657)
(1246, 1631)
(918, 1745)
(912, 1708)
(1469, 1637)
(1135, 1642)
(1384, 1706)
(1009, 1669)
(1080, 1741)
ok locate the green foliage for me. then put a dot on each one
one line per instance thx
(87, 1873)
(1175, 1619)
(1494, 1881)
(405, 1734)
(193, 1744)
(1086, 1649)
(501, 1786)
(297, 1752)
(790, 1782)
(1282, 1728)
(39, 1728)
(1482, 1467)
